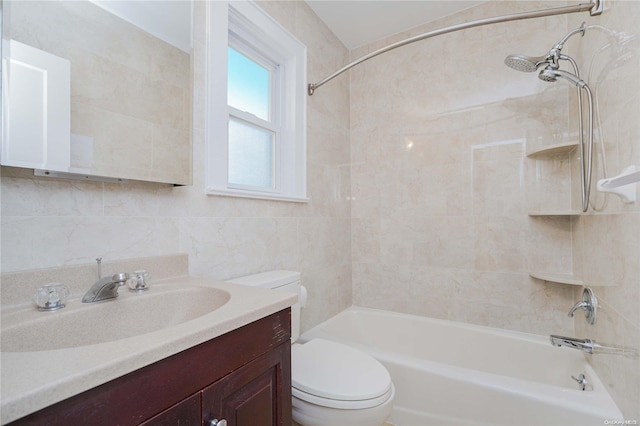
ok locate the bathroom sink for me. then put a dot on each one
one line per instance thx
(82, 324)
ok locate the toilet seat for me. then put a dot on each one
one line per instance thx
(334, 375)
(342, 405)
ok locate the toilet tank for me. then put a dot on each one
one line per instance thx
(281, 281)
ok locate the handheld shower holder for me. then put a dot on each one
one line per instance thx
(550, 73)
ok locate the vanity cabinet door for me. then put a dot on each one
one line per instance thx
(185, 413)
(258, 393)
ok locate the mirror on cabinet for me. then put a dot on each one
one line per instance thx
(98, 88)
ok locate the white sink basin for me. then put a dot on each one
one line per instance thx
(83, 324)
(50, 356)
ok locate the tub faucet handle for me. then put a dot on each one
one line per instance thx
(588, 304)
(579, 305)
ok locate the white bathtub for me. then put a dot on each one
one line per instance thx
(449, 373)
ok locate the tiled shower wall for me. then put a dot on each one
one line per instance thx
(607, 241)
(50, 223)
(442, 184)
(439, 132)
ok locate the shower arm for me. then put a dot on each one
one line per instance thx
(555, 54)
(580, 30)
(594, 8)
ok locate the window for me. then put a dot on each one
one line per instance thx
(256, 136)
(253, 121)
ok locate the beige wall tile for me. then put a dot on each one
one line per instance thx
(607, 239)
(53, 223)
(439, 175)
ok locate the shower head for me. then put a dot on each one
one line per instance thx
(531, 64)
(550, 74)
(525, 63)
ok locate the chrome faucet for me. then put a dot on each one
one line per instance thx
(105, 288)
(586, 345)
(591, 347)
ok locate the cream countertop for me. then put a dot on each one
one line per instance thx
(34, 380)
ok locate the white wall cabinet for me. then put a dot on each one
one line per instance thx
(36, 91)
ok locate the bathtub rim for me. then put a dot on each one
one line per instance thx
(594, 401)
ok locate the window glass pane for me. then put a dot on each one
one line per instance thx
(250, 155)
(248, 88)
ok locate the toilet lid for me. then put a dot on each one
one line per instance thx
(327, 369)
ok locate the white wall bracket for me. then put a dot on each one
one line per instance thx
(622, 185)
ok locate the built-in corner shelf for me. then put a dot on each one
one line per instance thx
(557, 151)
(555, 213)
(553, 150)
(557, 278)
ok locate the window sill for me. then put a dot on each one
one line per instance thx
(256, 195)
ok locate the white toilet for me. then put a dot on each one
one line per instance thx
(332, 383)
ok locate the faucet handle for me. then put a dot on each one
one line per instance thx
(588, 304)
(579, 305)
(51, 296)
(139, 281)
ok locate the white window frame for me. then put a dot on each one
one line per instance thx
(244, 23)
(273, 122)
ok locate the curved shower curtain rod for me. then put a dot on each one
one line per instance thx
(594, 8)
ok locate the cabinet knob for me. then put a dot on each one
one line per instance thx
(216, 422)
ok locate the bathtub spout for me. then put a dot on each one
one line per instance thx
(586, 345)
(591, 347)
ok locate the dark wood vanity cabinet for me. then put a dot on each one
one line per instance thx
(250, 393)
(185, 413)
(249, 396)
(243, 376)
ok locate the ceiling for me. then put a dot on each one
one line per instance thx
(359, 22)
(354, 22)
(169, 20)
